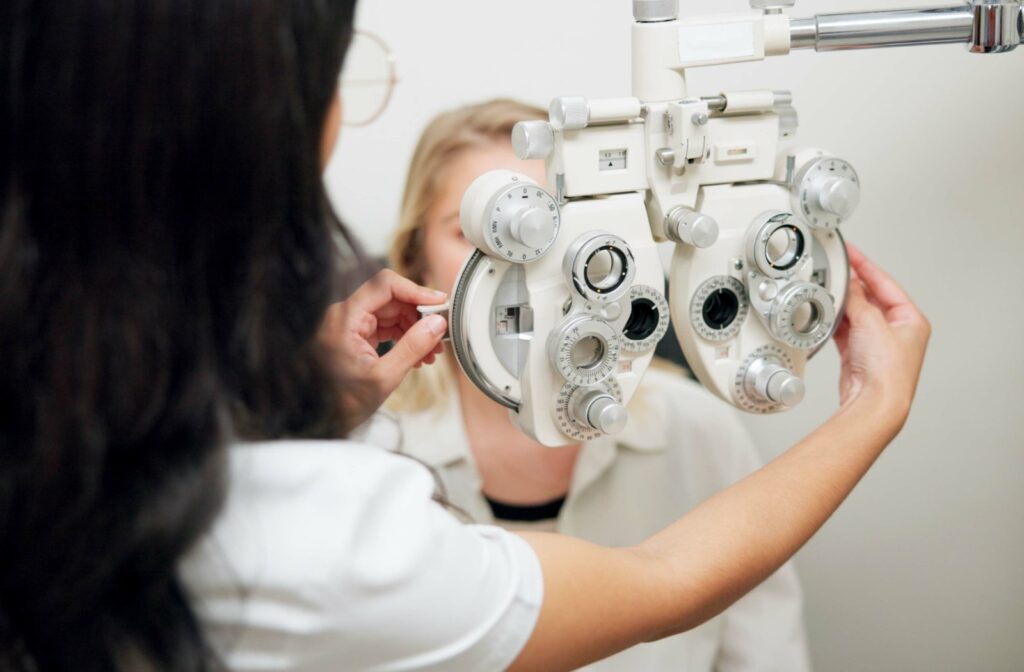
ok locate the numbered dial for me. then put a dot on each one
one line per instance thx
(584, 350)
(580, 412)
(764, 383)
(803, 316)
(827, 192)
(719, 308)
(647, 321)
(508, 216)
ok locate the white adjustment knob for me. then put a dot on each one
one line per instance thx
(826, 189)
(532, 139)
(532, 226)
(684, 225)
(569, 113)
(837, 195)
(509, 216)
(602, 411)
(773, 382)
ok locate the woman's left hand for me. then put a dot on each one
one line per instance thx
(382, 309)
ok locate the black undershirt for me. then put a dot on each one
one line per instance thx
(531, 513)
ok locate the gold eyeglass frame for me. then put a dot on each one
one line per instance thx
(392, 79)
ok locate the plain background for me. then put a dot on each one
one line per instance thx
(923, 567)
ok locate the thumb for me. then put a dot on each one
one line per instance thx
(417, 343)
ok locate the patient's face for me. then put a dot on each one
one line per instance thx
(444, 246)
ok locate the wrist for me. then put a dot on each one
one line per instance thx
(885, 407)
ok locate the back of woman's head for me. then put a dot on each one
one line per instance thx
(164, 262)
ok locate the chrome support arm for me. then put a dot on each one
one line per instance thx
(986, 26)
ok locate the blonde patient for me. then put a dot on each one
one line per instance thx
(681, 445)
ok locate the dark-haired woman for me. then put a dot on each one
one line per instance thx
(171, 368)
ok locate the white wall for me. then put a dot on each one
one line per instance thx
(923, 568)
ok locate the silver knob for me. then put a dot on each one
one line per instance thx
(773, 382)
(532, 227)
(666, 157)
(685, 225)
(772, 5)
(602, 411)
(569, 113)
(651, 11)
(532, 139)
(838, 195)
(786, 389)
(998, 26)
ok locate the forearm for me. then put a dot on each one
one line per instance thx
(600, 600)
(736, 539)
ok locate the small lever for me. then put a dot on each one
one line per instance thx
(442, 309)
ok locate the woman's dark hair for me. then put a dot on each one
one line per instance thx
(164, 263)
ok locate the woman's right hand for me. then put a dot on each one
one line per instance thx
(882, 340)
(382, 309)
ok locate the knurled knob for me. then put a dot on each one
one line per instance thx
(786, 389)
(838, 195)
(569, 113)
(775, 383)
(602, 411)
(688, 226)
(532, 227)
(770, 5)
(650, 11)
(532, 139)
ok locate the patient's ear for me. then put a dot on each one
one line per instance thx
(332, 127)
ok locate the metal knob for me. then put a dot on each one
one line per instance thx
(532, 227)
(685, 225)
(651, 11)
(532, 139)
(602, 411)
(786, 389)
(837, 195)
(569, 113)
(998, 26)
(773, 382)
(772, 5)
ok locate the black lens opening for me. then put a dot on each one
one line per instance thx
(643, 320)
(721, 308)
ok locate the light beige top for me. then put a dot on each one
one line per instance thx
(681, 446)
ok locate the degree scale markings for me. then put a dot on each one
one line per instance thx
(511, 202)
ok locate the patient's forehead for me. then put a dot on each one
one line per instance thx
(468, 165)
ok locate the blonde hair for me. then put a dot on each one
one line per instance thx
(449, 134)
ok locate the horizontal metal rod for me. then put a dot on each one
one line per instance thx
(893, 28)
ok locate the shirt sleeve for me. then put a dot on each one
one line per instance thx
(353, 566)
(764, 630)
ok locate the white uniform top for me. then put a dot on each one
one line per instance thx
(332, 556)
(681, 446)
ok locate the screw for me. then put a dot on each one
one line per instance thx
(699, 118)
